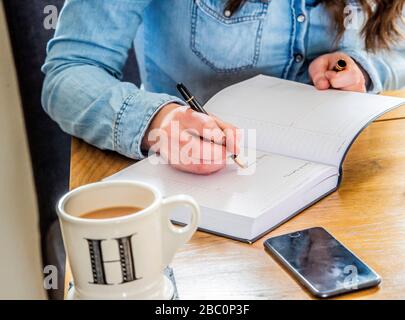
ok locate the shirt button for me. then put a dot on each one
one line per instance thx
(227, 13)
(298, 58)
(301, 18)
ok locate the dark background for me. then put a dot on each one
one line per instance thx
(49, 146)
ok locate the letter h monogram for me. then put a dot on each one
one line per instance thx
(126, 260)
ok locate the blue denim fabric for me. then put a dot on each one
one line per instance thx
(189, 41)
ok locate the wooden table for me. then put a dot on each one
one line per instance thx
(367, 214)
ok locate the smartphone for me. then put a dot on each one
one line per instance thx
(321, 263)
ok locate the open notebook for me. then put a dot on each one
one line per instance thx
(302, 135)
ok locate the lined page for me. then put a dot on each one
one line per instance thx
(295, 119)
(275, 179)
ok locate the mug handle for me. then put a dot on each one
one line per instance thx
(175, 237)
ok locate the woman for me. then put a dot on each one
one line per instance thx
(208, 45)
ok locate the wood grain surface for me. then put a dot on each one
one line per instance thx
(367, 214)
(398, 113)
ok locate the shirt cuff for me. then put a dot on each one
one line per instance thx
(374, 85)
(133, 119)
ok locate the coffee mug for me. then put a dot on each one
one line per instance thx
(122, 257)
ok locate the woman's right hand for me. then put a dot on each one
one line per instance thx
(183, 138)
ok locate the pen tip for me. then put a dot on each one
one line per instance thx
(238, 162)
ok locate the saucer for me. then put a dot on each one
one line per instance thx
(167, 292)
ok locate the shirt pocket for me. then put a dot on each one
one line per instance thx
(227, 43)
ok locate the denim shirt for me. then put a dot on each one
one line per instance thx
(191, 41)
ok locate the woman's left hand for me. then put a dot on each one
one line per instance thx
(323, 76)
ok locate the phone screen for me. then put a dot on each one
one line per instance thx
(321, 263)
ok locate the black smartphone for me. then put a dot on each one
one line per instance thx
(321, 263)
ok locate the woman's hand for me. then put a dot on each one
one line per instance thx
(323, 76)
(183, 138)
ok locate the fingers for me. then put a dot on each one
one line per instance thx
(205, 126)
(232, 134)
(194, 149)
(348, 80)
(323, 76)
(197, 156)
(193, 142)
(317, 71)
(213, 129)
(202, 169)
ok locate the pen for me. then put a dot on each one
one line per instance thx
(196, 106)
(340, 65)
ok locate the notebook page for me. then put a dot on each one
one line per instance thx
(295, 119)
(275, 179)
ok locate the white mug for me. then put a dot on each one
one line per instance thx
(122, 257)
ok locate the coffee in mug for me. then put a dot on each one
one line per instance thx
(119, 238)
(108, 213)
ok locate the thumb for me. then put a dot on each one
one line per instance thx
(343, 79)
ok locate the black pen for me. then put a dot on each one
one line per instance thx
(196, 106)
